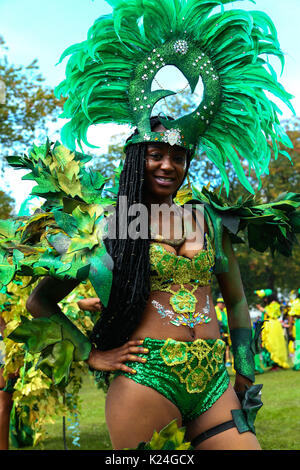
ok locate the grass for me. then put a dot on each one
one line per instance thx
(277, 423)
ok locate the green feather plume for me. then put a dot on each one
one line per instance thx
(246, 126)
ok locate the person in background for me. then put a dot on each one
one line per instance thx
(294, 314)
(274, 352)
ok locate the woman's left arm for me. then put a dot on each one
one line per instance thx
(239, 321)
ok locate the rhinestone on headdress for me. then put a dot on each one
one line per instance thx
(172, 137)
(181, 46)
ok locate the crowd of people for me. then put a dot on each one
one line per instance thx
(279, 323)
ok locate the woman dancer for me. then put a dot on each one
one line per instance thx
(158, 333)
(141, 337)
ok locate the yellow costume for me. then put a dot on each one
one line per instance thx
(273, 339)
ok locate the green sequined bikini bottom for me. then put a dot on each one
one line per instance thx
(192, 375)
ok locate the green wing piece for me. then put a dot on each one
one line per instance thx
(251, 404)
(42, 335)
(21, 433)
(57, 365)
(64, 237)
(36, 334)
(58, 341)
(273, 225)
(169, 438)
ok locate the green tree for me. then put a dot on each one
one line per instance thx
(6, 205)
(261, 270)
(26, 105)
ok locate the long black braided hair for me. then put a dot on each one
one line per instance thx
(130, 288)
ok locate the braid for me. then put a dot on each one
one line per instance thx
(131, 273)
(130, 288)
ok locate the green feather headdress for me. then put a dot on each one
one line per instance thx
(109, 78)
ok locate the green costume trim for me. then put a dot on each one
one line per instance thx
(58, 340)
(245, 346)
(251, 403)
(64, 238)
(169, 269)
(270, 226)
(21, 434)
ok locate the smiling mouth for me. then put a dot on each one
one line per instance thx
(164, 180)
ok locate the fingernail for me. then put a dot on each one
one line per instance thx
(146, 350)
(144, 360)
(133, 371)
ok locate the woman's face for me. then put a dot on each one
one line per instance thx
(165, 168)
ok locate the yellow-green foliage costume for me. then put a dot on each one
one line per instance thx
(36, 401)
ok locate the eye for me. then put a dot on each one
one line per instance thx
(179, 159)
(155, 156)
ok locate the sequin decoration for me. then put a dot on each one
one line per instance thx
(172, 137)
(181, 46)
(193, 63)
(190, 319)
(169, 270)
(194, 363)
(203, 361)
(163, 312)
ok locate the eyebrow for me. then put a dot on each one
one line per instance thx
(154, 145)
(158, 146)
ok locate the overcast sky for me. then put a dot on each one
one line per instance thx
(39, 29)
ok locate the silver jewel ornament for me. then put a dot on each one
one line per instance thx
(181, 46)
(172, 137)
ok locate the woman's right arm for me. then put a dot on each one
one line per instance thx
(43, 302)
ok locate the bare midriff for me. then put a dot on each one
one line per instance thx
(154, 326)
(157, 326)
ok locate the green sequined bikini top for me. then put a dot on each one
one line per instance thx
(168, 268)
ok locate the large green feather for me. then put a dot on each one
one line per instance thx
(99, 75)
